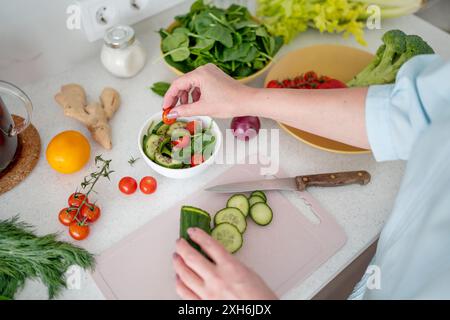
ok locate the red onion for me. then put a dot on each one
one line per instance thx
(245, 128)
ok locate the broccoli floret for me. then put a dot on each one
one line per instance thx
(397, 48)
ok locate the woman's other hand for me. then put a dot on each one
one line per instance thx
(223, 278)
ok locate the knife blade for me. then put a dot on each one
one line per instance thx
(299, 183)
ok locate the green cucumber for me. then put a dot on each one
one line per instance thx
(255, 199)
(174, 126)
(229, 236)
(162, 129)
(261, 213)
(233, 216)
(259, 193)
(191, 217)
(239, 201)
(163, 144)
(151, 145)
(167, 162)
(166, 151)
(151, 127)
(155, 127)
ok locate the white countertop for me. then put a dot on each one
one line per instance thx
(360, 211)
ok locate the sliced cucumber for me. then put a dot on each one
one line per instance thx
(167, 162)
(259, 194)
(162, 129)
(164, 142)
(166, 151)
(239, 201)
(261, 214)
(255, 199)
(229, 236)
(155, 127)
(176, 125)
(233, 216)
(151, 127)
(151, 145)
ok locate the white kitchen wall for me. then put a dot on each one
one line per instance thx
(35, 42)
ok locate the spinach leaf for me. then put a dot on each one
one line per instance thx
(221, 34)
(176, 45)
(160, 88)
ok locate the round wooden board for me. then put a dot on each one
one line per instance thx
(26, 159)
(336, 61)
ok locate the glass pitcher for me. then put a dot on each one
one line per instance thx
(11, 97)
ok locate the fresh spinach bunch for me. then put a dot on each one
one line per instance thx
(230, 38)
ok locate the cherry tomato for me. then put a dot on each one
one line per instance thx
(274, 84)
(288, 83)
(196, 159)
(182, 142)
(127, 185)
(76, 199)
(148, 185)
(310, 76)
(91, 212)
(66, 216)
(193, 127)
(164, 116)
(78, 231)
(332, 84)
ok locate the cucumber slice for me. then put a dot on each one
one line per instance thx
(176, 125)
(167, 162)
(151, 127)
(162, 129)
(151, 145)
(193, 217)
(261, 214)
(255, 199)
(239, 201)
(229, 236)
(233, 216)
(155, 127)
(165, 141)
(166, 151)
(259, 193)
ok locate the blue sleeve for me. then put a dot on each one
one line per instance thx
(397, 114)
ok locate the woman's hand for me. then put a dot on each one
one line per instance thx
(224, 278)
(213, 93)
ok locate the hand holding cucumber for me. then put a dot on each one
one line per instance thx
(224, 277)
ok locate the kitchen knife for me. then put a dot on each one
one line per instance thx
(299, 183)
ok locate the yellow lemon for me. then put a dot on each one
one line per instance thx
(68, 152)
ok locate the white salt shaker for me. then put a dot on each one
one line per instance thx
(122, 54)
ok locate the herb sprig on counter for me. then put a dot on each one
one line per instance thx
(23, 255)
(230, 38)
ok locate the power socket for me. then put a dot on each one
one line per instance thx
(99, 15)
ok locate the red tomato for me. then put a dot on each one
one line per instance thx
(196, 159)
(78, 231)
(76, 199)
(91, 212)
(310, 76)
(182, 142)
(148, 185)
(66, 216)
(164, 116)
(127, 185)
(274, 84)
(288, 83)
(332, 84)
(193, 127)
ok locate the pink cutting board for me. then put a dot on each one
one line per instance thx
(284, 253)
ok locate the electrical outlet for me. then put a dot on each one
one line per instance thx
(99, 15)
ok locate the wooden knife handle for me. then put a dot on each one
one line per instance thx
(332, 179)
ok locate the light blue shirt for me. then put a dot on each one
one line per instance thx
(410, 120)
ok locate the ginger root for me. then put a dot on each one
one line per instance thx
(95, 115)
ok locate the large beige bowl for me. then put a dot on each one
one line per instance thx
(242, 80)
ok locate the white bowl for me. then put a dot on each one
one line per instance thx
(187, 172)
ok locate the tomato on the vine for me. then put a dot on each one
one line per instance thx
(76, 199)
(67, 215)
(165, 119)
(148, 185)
(127, 185)
(78, 231)
(91, 212)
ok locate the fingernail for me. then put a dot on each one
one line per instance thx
(174, 255)
(190, 231)
(172, 115)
